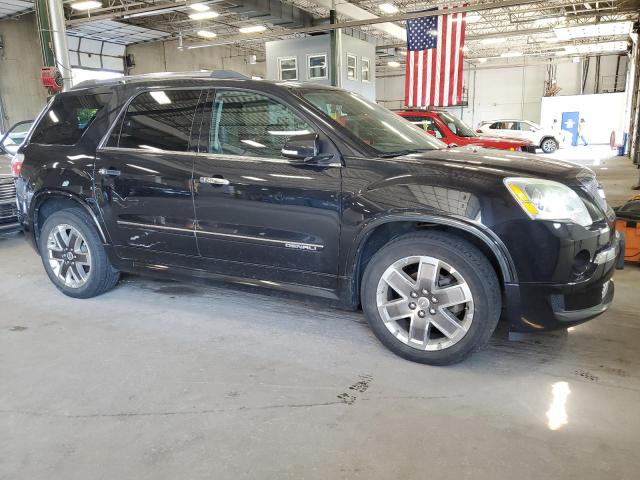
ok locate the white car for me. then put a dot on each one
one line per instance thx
(547, 140)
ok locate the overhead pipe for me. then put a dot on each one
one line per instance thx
(59, 39)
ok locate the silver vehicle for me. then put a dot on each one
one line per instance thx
(9, 144)
(522, 129)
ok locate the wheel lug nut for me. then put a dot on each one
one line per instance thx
(425, 291)
(432, 311)
(421, 314)
(414, 295)
(412, 306)
(434, 300)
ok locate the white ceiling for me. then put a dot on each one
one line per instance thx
(11, 7)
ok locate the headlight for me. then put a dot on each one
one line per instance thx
(548, 200)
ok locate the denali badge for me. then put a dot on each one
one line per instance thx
(301, 246)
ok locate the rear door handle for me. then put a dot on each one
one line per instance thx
(214, 180)
(109, 172)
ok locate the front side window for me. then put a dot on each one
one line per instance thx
(352, 67)
(427, 124)
(457, 126)
(157, 120)
(247, 123)
(368, 122)
(288, 68)
(317, 66)
(366, 70)
(67, 118)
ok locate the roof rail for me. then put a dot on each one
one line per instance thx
(220, 74)
(228, 74)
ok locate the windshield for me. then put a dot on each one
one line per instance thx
(14, 137)
(372, 124)
(456, 125)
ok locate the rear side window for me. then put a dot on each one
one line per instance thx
(158, 120)
(67, 119)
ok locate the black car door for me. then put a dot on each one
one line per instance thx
(254, 206)
(144, 176)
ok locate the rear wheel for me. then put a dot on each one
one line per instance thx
(431, 297)
(73, 255)
(549, 145)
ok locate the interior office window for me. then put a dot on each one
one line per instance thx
(366, 70)
(317, 66)
(352, 67)
(158, 120)
(288, 68)
(247, 123)
(67, 119)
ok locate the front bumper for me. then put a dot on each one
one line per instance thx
(537, 307)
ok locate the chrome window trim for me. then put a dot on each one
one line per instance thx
(142, 150)
(220, 234)
(216, 156)
(256, 159)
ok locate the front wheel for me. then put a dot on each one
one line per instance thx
(431, 297)
(73, 255)
(549, 145)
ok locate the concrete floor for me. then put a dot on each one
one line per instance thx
(159, 380)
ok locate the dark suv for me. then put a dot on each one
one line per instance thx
(316, 189)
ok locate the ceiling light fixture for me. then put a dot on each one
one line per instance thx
(204, 15)
(472, 18)
(88, 5)
(252, 29)
(160, 97)
(511, 54)
(393, 64)
(482, 60)
(206, 34)
(595, 30)
(388, 8)
(600, 47)
(199, 7)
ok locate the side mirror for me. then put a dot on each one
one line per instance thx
(301, 147)
(431, 132)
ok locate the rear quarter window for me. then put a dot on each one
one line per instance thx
(67, 118)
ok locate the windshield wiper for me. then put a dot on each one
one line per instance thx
(399, 153)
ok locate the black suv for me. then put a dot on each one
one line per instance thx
(316, 189)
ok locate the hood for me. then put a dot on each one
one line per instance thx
(499, 163)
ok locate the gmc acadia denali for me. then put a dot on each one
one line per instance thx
(313, 188)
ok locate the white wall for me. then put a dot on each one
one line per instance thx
(603, 113)
(505, 91)
(21, 92)
(165, 57)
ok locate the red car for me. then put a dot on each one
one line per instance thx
(453, 131)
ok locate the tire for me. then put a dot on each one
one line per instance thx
(470, 280)
(94, 273)
(549, 145)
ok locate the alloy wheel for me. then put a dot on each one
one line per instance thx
(425, 303)
(69, 255)
(548, 146)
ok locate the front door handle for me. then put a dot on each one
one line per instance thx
(109, 172)
(214, 180)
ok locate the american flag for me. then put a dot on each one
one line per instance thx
(434, 61)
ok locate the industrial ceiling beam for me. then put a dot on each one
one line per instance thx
(360, 23)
